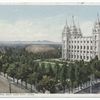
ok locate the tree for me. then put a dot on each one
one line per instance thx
(95, 67)
(47, 83)
(32, 79)
(11, 71)
(36, 66)
(18, 71)
(76, 74)
(24, 73)
(64, 76)
(72, 75)
(4, 68)
(0, 66)
(57, 71)
(43, 69)
(50, 71)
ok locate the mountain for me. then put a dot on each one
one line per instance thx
(27, 42)
(45, 42)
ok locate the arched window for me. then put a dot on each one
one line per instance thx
(77, 47)
(95, 36)
(87, 47)
(84, 47)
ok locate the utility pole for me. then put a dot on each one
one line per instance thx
(91, 82)
(9, 87)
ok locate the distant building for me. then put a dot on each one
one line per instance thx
(77, 47)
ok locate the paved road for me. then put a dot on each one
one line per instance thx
(4, 87)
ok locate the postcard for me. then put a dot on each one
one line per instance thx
(50, 49)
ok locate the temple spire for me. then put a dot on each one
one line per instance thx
(78, 24)
(79, 29)
(66, 23)
(73, 20)
(98, 17)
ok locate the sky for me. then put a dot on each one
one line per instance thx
(44, 22)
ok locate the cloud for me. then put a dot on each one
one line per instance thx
(49, 28)
(32, 30)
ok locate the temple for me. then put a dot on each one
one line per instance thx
(77, 47)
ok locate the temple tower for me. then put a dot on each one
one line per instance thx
(96, 38)
(65, 41)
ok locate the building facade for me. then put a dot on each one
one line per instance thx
(77, 47)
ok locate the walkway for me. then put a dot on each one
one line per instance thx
(4, 87)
